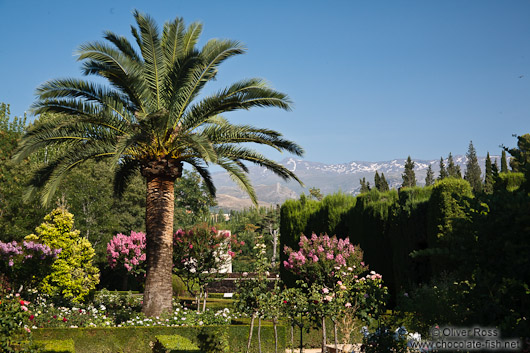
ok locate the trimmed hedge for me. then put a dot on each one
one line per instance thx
(138, 339)
(174, 344)
(56, 346)
(388, 226)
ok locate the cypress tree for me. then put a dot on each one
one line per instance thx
(453, 170)
(443, 172)
(377, 181)
(409, 177)
(504, 163)
(365, 187)
(488, 178)
(384, 183)
(429, 179)
(473, 169)
(495, 170)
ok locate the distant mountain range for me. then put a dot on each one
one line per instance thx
(329, 178)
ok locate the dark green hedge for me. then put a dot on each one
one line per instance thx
(388, 226)
(138, 339)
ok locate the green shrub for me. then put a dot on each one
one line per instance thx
(179, 288)
(174, 344)
(73, 275)
(213, 339)
(138, 339)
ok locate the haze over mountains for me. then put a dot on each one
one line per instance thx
(329, 178)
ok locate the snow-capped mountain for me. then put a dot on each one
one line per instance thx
(329, 178)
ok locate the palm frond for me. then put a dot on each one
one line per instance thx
(199, 166)
(122, 44)
(152, 54)
(124, 173)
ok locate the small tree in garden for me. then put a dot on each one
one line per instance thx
(73, 275)
(198, 253)
(330, 270)
(253, 292)
(127, 252)
(294, 305)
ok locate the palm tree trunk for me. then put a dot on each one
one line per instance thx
(159, 244)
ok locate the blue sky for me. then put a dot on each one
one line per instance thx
(370, 80)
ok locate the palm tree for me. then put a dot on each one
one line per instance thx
(151, 119)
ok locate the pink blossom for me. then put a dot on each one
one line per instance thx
(348, 305)
(325, 290)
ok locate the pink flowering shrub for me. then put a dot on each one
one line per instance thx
(319, 257)
(200, 251)
(27, 263)
(127, 251)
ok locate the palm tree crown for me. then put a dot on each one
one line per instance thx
(150, 119)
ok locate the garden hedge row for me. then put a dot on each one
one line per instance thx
(139, 339)
(388, 226)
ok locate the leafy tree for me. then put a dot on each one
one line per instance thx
(192, 201)
(152, 119)
(489, 179)
(316, 194)
(198, 253)
(73, 276)
(473, 169)
(409, 177)
(253, 293)
(443, 172)
(520, 161)
(504, 163)
(453, 170)
(429, 179)
(18, 217)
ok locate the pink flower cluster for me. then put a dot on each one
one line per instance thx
(319, 248)
(127, 250)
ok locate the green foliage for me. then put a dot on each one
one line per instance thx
(18, 217)
(138, 339)
(73, 274)
(192, 201)
(409, 177)
(504, 162)
(510, 181)
(443, 172)
(365, 186)
(57, 346)
(383, 340)
(429, 179)
(453, 170)
(13, 312)
(316, 194)
(489, 178)
(473, 169)
(174, 344)
(213, 339)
